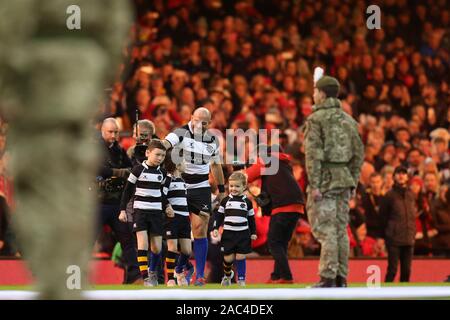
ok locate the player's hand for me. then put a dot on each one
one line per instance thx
(123, 216)
(317, 195)
(2, 244)
(253, 237)
(169, 211)
(215, 233)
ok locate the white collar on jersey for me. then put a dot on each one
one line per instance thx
(144, 163)
(190, 127)
(242, 195)
(192, 130)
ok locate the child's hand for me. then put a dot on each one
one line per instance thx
(215, 236)
(123, 216)
(253, 237)
(169, 211)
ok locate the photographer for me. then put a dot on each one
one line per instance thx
(144, 133)
(112, 178)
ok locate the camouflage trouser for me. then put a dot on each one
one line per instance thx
(329, 218)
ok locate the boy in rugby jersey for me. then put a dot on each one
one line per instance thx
(178, 225)
(239, 228)
(146, 183)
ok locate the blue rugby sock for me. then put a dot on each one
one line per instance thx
(201, 252)
(241, 269)
(182, 261)
(154, 260)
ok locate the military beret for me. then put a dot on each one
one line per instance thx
(327, 81)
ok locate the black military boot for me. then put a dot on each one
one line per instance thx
(325, 283)
(341, 282)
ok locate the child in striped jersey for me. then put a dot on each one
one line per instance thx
(146, 183)
(239, 228)
(178, 225)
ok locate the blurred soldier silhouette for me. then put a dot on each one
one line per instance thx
(50, 82)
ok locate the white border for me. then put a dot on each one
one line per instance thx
(256, 294)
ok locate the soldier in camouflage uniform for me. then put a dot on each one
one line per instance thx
(334, 155)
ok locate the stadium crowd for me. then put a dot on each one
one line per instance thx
(250, 63)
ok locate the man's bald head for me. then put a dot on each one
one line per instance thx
(110, 130)
(202, 112)
(110, 121)
(200, 120)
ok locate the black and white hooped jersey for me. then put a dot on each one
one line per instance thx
(150, 188)
(235, 213)
(177, 195)
(197, 153)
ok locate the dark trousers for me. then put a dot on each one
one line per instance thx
(215, 259)
(280, 232)
(396, 253)
(123, 231)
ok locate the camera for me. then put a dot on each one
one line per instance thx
(139, 151)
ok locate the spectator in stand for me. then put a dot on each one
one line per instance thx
(441, 156)
(415, 160)
(386, 156)
(424, 222)
(370, 206)
(388, 178)
(367, 170)
(402, 137)
(431, 186)
(441, 217)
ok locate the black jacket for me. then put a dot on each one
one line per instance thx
(398, 211)
(114, 157)
(282, 187)
(441, 216)
(371, 206)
